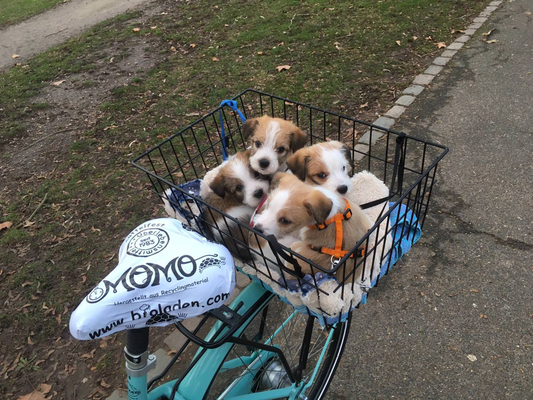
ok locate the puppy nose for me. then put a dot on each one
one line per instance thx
(258, 193)
(342, 189)
(264, 163)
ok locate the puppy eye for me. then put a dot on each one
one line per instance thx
(258, 144)
(284, 221)
(280, 150)
(344, 168)
(256, 175)
(239, 187)
(322, 175)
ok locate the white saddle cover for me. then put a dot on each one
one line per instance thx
(166, 273)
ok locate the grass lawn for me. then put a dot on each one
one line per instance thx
(13, 11)
(353, 57)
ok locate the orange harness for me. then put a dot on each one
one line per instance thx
(337, 252)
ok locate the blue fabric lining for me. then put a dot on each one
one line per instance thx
(177, 198)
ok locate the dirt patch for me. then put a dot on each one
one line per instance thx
(71, 105)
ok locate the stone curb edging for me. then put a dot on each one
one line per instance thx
(423, 80)
(388, 119)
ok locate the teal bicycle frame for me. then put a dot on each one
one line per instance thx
(210, 362)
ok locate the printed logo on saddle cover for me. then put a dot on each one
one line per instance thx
(166, 273)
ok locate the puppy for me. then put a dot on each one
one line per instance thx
(329, 165)
(293, 208)
(326, 164)
(236, 190)
(272, 141)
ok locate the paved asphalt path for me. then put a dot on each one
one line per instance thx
(454, 320)
(55, 26)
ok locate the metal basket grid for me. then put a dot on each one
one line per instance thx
(197, 148)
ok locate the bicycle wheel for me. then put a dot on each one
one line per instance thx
(310, 355)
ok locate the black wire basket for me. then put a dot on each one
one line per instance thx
(407, 165)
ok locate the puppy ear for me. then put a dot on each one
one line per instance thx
(298, 139)
(297, 163)
(249, 127)
(218, 185)
(318, 206)
(348, 154)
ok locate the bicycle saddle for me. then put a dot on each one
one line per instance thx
(166, 273)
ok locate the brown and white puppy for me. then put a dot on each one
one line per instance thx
(293, 206)
(326, 164)
(236, 181)
(329, 165)
(272, 140)
(236, 190)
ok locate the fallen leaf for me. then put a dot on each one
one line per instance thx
(283, 67)
(153, 27)
(428, 38)
(474, 290)
(37, 394)
(88, 355)
(57, 83)
(215, 59)
(136, 29)
(6, 225)
(471, 357)
(15, 56)
(441, 45)
(363, 105)
(27, 224)
(415, 37)
(260, 52)
(398, 43)
(492, 41)
(488, 33)
(105, 384)
(528, 12)
(192, 45)
(457, 31)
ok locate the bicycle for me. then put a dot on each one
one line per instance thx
(268, 343)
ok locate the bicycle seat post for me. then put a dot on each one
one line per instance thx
(138, 362)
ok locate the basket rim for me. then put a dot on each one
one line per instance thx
(238, 96)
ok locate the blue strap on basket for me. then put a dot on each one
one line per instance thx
(233, 105)
(176, 197)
